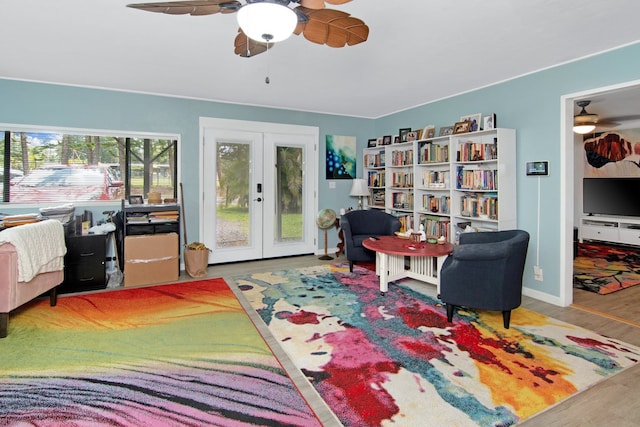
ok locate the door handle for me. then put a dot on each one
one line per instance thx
(259, 199)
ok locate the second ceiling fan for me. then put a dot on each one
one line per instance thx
(309, 17)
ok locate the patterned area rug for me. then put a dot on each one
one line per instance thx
(184, 354)
(604, 268)
(394, 359)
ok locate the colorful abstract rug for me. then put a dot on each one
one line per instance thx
(185, 354)
(395, 360)
(604, 268)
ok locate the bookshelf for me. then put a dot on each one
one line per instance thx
(447, 183)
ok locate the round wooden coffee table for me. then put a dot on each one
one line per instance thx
(425, 259)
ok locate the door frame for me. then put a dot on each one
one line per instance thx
(258, 127)
(567, 187)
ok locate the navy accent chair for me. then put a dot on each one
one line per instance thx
(361, 224)
(485, 272)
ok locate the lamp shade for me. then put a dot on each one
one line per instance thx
(267, 22)
(359, 188)
(584, 128)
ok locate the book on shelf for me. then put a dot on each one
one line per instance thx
(474, 151)
(477, 205)
(436, 225)
(374, 160)
(476, 179)
(163, 216)
(436, 204)
(435, 178)
(376, 178)
(377, 197)
(402, 157)
(433, 153)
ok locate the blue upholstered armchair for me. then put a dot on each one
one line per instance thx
(359, 225)
(485, 272)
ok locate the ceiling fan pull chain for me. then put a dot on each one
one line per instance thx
(266, 79)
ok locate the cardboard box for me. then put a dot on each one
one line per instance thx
(151, 258)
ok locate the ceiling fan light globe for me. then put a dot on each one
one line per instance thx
(584, 128)
(264, 22)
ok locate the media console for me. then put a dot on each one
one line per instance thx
(613, 229)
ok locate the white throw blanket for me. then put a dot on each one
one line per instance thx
(40, 247)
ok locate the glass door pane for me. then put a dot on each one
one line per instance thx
(232, 194)
(289, 180)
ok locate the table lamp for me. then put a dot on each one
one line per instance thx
(359, 189)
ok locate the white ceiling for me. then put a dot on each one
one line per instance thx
(418, 51)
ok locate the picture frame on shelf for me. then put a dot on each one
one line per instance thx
(461, 127)
(396, 139)
(429, 132)
(403, 134)
(474, 119)
(446, 130)
(372, 143)
(136, 200)
(386, 140)
(489, 122)
(379, 141)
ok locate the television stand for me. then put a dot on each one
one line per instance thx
(612, 229)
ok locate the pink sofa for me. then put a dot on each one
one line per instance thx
(13, 292)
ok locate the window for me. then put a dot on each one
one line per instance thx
(43, 166)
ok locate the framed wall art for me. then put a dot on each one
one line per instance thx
(462, 127)
(489, 122)
(446, 130)
(341, 157)
(474, 119)
(403, 134)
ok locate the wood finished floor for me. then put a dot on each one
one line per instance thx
(614, 401)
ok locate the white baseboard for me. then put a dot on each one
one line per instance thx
(542, 296)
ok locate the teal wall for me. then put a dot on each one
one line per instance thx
(530, 104)
(27, 103)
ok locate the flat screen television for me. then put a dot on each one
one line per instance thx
(611, 196)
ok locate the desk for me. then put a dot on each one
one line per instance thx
(425, 260)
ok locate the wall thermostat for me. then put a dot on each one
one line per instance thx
(540, 168)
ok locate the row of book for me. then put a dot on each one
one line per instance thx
(374, 160)
(436, 226)
(406, 222)
(433, 153)
(402, 200)
(435, 179)
(475, 151)
(476, 179)
(377, 197)
(376, 178)
(402, 179)
(432, 203)
(402, 157)
(475, 205)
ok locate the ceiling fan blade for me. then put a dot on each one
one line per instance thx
(332, 27)
(246, 47)
(195, 8)
(337, 1)
(319, 4)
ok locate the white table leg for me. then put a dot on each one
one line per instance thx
(383, 271)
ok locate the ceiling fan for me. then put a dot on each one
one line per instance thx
(259, 29)
(585, 122)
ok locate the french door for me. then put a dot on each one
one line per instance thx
(259, 182)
